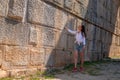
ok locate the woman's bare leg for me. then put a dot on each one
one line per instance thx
(82, 59)
(75, 58)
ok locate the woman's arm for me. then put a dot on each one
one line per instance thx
(71, 31)
(84, 43)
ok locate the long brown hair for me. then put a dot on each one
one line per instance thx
(83, 31)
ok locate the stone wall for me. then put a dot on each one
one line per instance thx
(32, 34)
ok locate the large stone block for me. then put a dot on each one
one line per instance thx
(49, 57)
(68, 4)
(61, 19)
(2, 29)
(72, 22)
(91, 46)
(6, 65)
(17, 55)
(76, 7)
(70, 42)
(49, 15)
(86, 3)
(41, 13)
(39, 35)
(13, 33)
(16, 9)
(33, 36)
(68, 57)
(99, 10)
(61, 40)
(48, 36)
(10, 38)
(90, 32)
(22, 72)
(99, 46)
(83, 11)
(22, 34)
(36, 11)
(3, 73)
(79, 22)
(60, 58)
(108, 38)
(1, 54)
(103, 35)
(3, 7)
(98, 33)
(37, 56)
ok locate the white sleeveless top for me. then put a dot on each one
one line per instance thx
(78, 37)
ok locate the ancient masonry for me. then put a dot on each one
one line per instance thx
(32, 34)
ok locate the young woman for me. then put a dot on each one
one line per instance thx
(79, 46)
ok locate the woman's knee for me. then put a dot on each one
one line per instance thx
(75, 54)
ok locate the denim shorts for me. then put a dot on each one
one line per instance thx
(78, 47)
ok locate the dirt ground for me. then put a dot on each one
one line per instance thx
(97, 71)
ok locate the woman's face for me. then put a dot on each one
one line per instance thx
(79, 28)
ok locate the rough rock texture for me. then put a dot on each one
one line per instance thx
(32, 32)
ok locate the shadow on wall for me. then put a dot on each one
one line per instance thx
(99, 40)
(100, 33)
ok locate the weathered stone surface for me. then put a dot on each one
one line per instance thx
(17, 55)
(16, 9)
(3, 7)
(22, 30)
(90, 47)
(40, 40)
(37, 56)
(72, 22)
(70, 42)
(43, 15)
(6, 65)
(77, 7)
(79, 22)
(62, 38)
(36, 11)
(48, 36)
(81, 1)
(60, 58)
(22, 72)
(1, 54)
(13, 33)
(103, 36)
(84, 2)
(90, 32)
(59, 1)
(49, 15)
(49, 57)
(3, 73)
(60, 19)
(98, 34)
(83, 11)
(68, 4)
(39, 35)
(68, 57)
(33, 36)
(86, 52)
